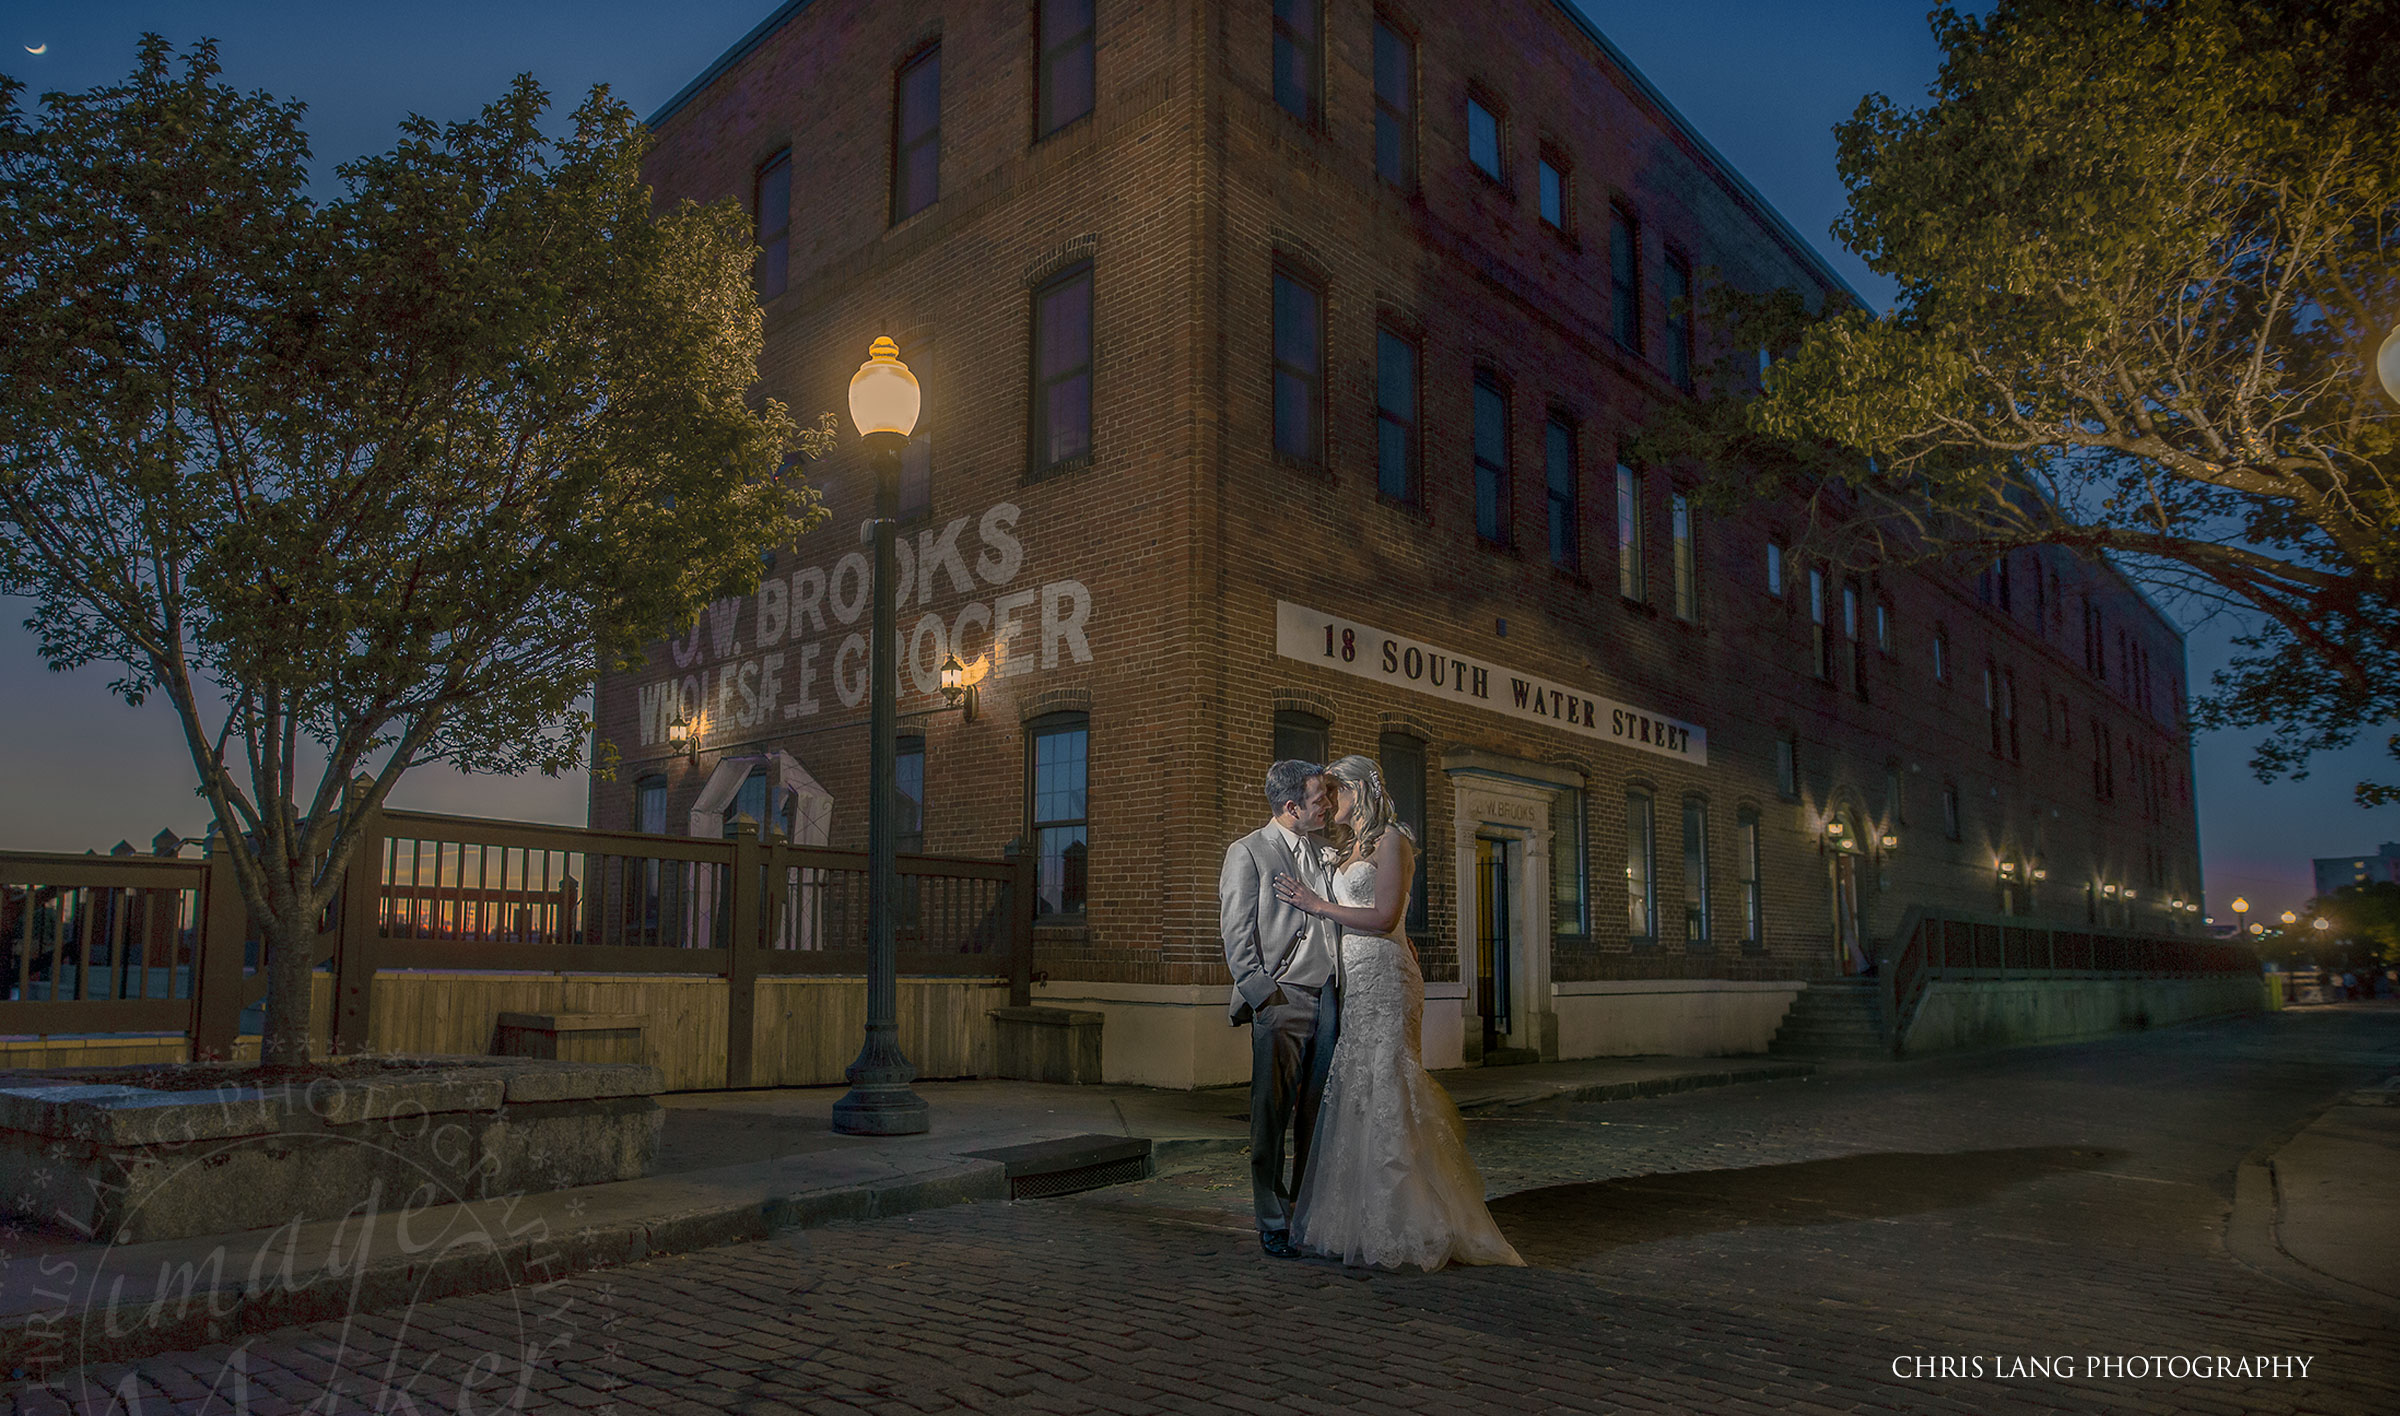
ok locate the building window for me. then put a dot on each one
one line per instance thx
(908, 776)
(1687, 560)
(1570, 882)
(1403, 758)
(1883, 626)
(1820, 637)
(749, 805)
(1754, 913)
(1895, 807)
(1554, 192)
(1302, 737)
(1395, 107)
(1633, 578)
(1065, 82)
(1787, 767)
(1695, 872)
(1679, 321)
(917, 134)
(1299, 370)
(650, 806)
(1624, 278)
(1950, 822)
(1056, 759)
(1298, 57)
(2008, 713)
(1851, 636)
(1641, 870)
(1775, 569)
(1062, 370)
(1991, 708)
(771, 199)
(1396, 416)
(1941, 655)
(1491, 460)
(1483, 141)
(1566, 539)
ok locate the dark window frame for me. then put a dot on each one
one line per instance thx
(1787, 765)
(1633, 535)
(1049, 58)
(1697, 932)
(1503, 492)
(1570, 864)
(1683, 554)
(930, 140)
(774, 263)
(1287, 38)
(1038, 731)
(1550, 162)
(1290, 723)
(904, 840)
(1563, 505)
(1641, 867)
(1676, 266)
(1477, 98)
(1038, 438)
(1625, 276)
(1400, 115)
(1412, 429)
(1289, 275)
(1748, 865)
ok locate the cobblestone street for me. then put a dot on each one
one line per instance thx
(1766, 1248)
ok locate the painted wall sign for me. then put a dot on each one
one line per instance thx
(1353, 648)
(789, 652)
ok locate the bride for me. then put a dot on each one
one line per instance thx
(1390, 1182)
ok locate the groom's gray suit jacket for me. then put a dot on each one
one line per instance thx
(1260, 930)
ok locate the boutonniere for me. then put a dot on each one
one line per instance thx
(1327, 855)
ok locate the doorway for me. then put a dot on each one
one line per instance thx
(1493, 859)
(1849, 946)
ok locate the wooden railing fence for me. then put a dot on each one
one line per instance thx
(123, 944)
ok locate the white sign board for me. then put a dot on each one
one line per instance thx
(1354, 648)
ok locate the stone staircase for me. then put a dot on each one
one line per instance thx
(1834, 1018)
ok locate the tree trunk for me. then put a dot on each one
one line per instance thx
(289, 944)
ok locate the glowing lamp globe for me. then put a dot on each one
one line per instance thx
(2387, 364)
(883, 393)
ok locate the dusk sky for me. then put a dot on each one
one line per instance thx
(1763, 80)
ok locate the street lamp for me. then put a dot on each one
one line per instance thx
(2241, 908)
(2387, 364)
(2323, 924)
(2290, 918)
(884, 400)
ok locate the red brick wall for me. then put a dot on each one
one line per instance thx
(1184, 189)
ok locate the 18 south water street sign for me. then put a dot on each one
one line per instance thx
(1353, 648)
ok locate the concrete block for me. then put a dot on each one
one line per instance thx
(1046, 1044)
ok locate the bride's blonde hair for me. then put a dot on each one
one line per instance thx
(1365, 781)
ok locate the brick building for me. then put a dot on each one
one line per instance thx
(1276, 358)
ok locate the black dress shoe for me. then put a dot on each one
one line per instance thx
(1278, 1243)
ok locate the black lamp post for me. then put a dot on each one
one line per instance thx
(883, 403)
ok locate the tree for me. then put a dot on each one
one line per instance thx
(395, 473)
(2366, 922)
(2145, 251)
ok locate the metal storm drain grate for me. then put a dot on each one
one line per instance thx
(1049, 1168)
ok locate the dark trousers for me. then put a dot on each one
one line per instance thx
(1291, 1053)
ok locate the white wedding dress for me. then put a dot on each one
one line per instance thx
(1389, 1180)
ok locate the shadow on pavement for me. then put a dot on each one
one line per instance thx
(1562, 1225)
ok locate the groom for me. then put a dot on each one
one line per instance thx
(1283, 987)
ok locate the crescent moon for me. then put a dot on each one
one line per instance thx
(42, 48)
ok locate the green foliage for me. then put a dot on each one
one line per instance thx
(396, 472)
(2366, 924)
(2145, 251)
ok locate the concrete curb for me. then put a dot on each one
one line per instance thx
(2252, 1229)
